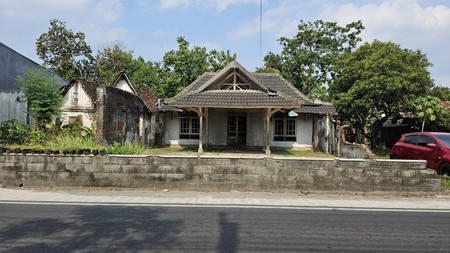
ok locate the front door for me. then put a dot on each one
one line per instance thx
(237, 130)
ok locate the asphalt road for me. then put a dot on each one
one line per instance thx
(115, 228)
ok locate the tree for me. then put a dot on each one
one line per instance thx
(65, 52)
(377, 80)
(111, 60)
(308, 58)
(441, 92)
(428, 108)
(182, 66)
(42, 95)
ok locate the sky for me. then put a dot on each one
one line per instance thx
(150, 27)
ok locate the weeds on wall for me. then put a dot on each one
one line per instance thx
(445, 179)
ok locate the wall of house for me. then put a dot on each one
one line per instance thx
(217, 134)
(77, 105)
(304, 127)
(123, 117)
(123, 85)
(243, 173)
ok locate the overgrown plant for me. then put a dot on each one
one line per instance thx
(445, 179)
(126, 149)
(42, 95)
(14, 132)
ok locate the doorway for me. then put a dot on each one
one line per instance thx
(237, 130)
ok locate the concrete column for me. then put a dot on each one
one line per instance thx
(200, 139)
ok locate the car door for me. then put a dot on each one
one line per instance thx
(431, 155)
(407, 147)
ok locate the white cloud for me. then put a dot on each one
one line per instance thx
(216, 5)
(109, 10)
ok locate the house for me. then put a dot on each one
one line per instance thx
(237, 108)
(12, 65)
(116, 113)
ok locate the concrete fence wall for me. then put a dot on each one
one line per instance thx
(217, 173)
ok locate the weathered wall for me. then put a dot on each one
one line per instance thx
(218, 173)
(13, 64)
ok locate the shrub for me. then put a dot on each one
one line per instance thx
(445, 179)
(14, 132)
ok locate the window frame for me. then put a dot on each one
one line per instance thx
(189, 126)
(285, 127)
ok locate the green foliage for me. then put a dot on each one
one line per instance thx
(428, 108)
(182, 66)
(377, 80)
(440, 92)
(65, 52)
(445, 179)
(126, 149)
(14, 132)
(307, 60)
(42, 95)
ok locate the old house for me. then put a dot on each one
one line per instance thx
(236, 108)
(117, 113)
(12, 65)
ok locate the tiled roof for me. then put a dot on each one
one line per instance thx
(241, 98)
(264, 90)
(148, 97)
(88, 87)
(317, 109)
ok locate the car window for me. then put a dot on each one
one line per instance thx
(424, 139)
(444, 139)
(411, 139)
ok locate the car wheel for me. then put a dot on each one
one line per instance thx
(444, 169)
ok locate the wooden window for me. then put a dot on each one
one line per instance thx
(284, 128)
(189, 125)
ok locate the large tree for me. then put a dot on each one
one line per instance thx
(114, 58)
(65, 52)
(182, 66)
(377, 80)
(42, 95)
(307, 59)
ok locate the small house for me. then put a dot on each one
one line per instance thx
(236, 108)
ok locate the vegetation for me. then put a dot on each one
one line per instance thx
(376, 81)
(65, 52)
(308, 59)
(42, 95)
(445, 179)
(367, 83)
(181, 67)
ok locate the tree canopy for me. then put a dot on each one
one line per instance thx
(377, 80)
(113, 59)
(307, 59)
(65, 52)
(42, 95)
(182, 66)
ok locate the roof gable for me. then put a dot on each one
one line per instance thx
(232, 77)
(123, 82)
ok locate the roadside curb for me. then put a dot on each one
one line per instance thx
(225, 199)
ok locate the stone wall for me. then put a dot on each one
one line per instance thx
(217, 173)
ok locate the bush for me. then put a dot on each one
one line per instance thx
(445, 179)
(126, 149)
(14, 132)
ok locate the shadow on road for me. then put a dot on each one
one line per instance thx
(93, 229)
(228, 241)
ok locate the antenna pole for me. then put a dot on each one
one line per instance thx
(260, 34)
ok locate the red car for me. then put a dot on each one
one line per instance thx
(433, 147)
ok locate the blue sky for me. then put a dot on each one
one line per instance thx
(150, 27)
